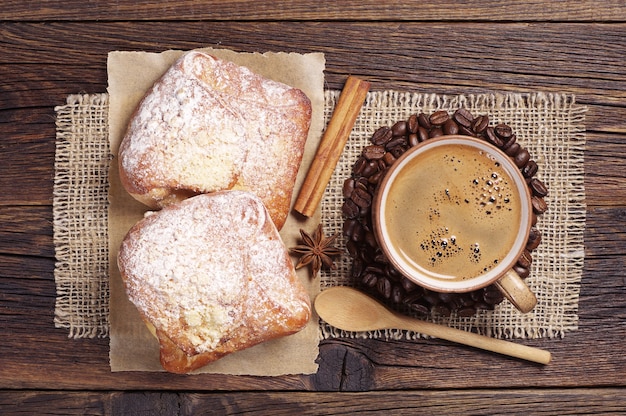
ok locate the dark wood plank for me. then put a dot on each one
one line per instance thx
(441, 10)
(26, 230)
(585, 59)
(514, 401)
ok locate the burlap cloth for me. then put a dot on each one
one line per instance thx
(551, 126)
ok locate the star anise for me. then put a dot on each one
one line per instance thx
(316, 250)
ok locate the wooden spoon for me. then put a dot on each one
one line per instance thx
(351, 310)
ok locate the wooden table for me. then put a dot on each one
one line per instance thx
(51, 49)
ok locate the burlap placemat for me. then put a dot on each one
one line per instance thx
(551, 126)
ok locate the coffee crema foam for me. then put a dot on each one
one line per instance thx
(454, 212)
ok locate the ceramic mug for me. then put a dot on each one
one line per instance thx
(453, 214)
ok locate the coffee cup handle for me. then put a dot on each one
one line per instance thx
(516, 291)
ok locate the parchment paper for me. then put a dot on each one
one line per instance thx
(132, 347)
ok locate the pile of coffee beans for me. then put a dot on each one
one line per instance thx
(370, 268)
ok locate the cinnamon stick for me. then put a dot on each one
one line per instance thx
(332, 145)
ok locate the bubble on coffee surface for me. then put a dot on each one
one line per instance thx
(440, 246)
(475, 256)
(491, 191)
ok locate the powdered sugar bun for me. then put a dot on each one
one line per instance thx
(209, 125)
(212, 276)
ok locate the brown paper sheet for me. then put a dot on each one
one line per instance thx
(132, 347)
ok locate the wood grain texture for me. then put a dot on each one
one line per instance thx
(52, 49)
(515, 401)
(487, 10)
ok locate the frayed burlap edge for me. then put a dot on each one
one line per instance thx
(550, 125)
(80, 216)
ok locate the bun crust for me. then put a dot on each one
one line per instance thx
(210, 125)
(212, 276)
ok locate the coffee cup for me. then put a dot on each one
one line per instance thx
(453, 214)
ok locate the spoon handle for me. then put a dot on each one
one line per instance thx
(474, 340)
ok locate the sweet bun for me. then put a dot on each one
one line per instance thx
(211, 275)
(208, 124)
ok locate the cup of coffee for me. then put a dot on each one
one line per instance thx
(453, 214)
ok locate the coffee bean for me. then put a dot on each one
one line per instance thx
(361, 183)
(530, 169)
(512, 150)
(359, 166)
(370, 239)
(349, 226)
(503, 131)
(373, 152)
(442, 310)
(413, 139)
(370, 168)
(361, 197)
(509, 142)
(395, 142)
(492, 295)
(420, 307)
(538, 187)
(384, 287)
(392, 273)
(435, 132)
(447, 297)
(523, 272)
(479, 124)
(358, 233)
(521, 158)
(438, 118)
(349, 209)
(450, 127)
(431, 297)
(412, 124)
(463, 117)
(389, 159)
(399, 129)
(348, 187)
(534, 239)
(379, 257)
(526, 259)
(456, 302)
(423, 121)
(381, 136)
(369, 279)
(376, 178)
(466, 131)
(351, 246)
(396, 294)
(398, 151)
(491, 137)
(357, 266)
(466, 299)
(422, 134)
(539, 205)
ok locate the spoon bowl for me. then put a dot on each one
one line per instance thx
(352, 310)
